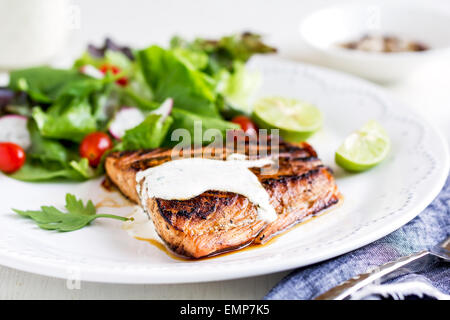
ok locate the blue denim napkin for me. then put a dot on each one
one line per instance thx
(427, 229)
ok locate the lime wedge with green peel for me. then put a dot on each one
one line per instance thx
(296, 120)
(364, 149)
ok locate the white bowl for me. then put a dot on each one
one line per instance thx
(324, 29)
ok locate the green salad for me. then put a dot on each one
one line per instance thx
(124, 99)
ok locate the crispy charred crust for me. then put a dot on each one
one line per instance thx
(147, 163)
(306, 159)
(291, 150)
(207, 203)
(151, 157)
(120, 154)
(309, 176)
(199, 207)
(214, 221)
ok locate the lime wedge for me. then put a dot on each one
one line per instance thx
(364, 149)
(297, 120)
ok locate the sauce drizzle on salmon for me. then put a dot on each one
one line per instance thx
(218, 221)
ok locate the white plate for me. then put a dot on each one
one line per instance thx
(375, 202)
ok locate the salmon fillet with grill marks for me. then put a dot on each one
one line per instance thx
(214, 221)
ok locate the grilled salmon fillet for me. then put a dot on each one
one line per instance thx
(214, 221)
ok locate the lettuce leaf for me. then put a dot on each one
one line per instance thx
(171, 75)
(239, 87)
(186, 120)
(49, 159)
(137, 92)
(147, 135)
(71, 122)
(73, 115)
(195, 59)
(46, 150)
(223, 53)
(82, 168)
(226, 59)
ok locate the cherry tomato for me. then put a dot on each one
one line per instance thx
(109, 67)
(123, 81)
(246, 124)
(94, 146)
(12, 157)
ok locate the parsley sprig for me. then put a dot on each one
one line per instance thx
(78, 215)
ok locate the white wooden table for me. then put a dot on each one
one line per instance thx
(140, 23)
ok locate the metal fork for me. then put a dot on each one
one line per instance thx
(412, 263)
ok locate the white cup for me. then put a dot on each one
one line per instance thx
(31, 31)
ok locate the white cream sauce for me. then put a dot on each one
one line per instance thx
(187, 178)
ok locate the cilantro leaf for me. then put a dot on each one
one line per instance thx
(77, 217)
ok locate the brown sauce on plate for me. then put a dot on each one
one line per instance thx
(110, 202)
(108, 185)
(245, 247)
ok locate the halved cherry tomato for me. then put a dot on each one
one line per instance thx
(246, 124)
(12, 157)
(123, 81)
(94, 146)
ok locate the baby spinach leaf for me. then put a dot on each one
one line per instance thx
(43, 84)
(45, 149)
(34, 171)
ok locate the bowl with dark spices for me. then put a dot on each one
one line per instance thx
(382, 42)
